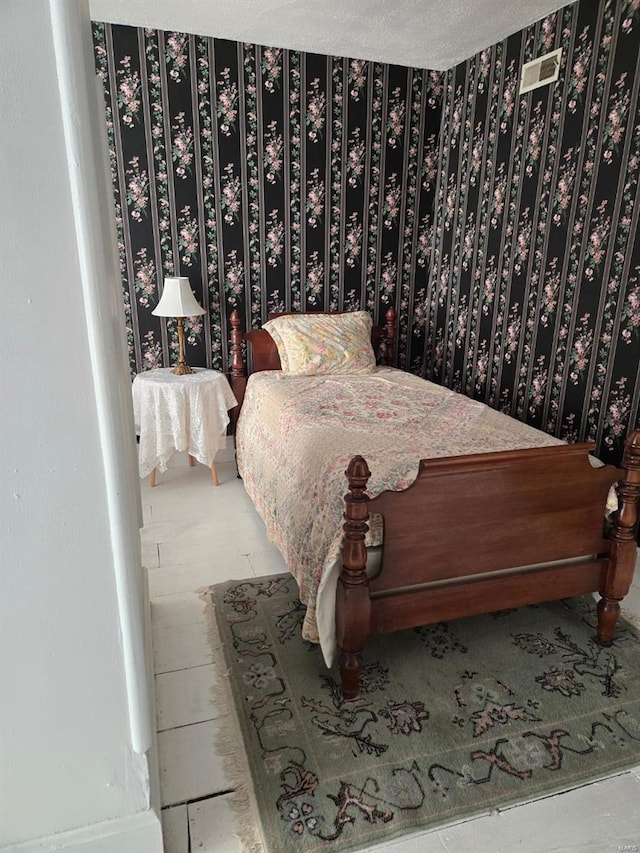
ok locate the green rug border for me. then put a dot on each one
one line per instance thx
(230, 744)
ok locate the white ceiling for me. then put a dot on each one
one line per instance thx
(434, 34)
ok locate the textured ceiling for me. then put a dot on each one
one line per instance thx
(434, 34)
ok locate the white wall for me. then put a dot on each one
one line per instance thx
(435, 34)
(67, 721)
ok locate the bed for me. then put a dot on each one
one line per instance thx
(452, 509)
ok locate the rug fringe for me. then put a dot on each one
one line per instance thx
(631, 617)
(229, 744)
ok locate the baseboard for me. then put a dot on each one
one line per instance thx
(139, 833)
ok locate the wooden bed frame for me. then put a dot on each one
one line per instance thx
(474, 534)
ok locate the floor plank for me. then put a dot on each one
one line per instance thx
(212, 825)
(181, 647)
(175, 830)
(190, 765)
(185, 697)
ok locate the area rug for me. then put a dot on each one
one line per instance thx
(453, 719)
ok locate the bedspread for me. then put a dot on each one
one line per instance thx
(296, 436)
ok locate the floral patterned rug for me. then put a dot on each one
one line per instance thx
(453, 719)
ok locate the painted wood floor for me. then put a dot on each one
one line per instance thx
(196, 535)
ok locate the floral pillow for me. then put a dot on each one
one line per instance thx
(314, 344)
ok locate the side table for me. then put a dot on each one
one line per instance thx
(175, 413)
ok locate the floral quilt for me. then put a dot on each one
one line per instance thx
(296, 436)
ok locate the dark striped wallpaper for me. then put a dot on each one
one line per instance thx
(504, 228)
(273, 179)
(533, 304)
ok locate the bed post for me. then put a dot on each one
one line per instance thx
(622, 557)
(238, 370)
(353, 605)
(390, 337)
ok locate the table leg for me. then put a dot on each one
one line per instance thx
(190, 460)
(152, 478)
(214, 474)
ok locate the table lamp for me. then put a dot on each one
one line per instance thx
(178, 301)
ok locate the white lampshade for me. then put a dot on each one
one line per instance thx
(177, 299)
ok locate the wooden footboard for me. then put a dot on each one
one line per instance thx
(479, 533)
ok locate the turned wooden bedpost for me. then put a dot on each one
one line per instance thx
(237, 366)
(390, 337)
(353, 605)
(622, 557)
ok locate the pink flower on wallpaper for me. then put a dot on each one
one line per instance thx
(476, 156)
(230, 198)
(137, 189)
(395, 118)
(176, 55)
(315, 199)
(226, 102)
(523, 241)
(357, 77)
(182, 147)
(145, 279)
(315, 277)
(271, 68)
(353, 240)
(151, 352)
(273, 149)
(598, 240)
(538, 387)
(547, 32)
(631, 312)
(618, 108)
(275, 304)
(581, 349)
(234, 277)
(484, 68)
(274, 239)
(391, 204)
(423, 248)
(355, 158)
(617, 411)
(468, 246)
(490, 282)
(482, 366)
(187, 235)
(128, 92)
(513, 333)
(388, 277)
(316, 106)
(462, 321)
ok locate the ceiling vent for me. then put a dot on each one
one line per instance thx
(540, 71)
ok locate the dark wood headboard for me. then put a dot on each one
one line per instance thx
(263, 353)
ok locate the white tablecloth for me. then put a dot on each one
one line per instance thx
(180, 413)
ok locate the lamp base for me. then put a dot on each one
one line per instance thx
(182, 368)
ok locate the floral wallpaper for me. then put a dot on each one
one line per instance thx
(273, 179)
(504, 228)
(533, 299)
